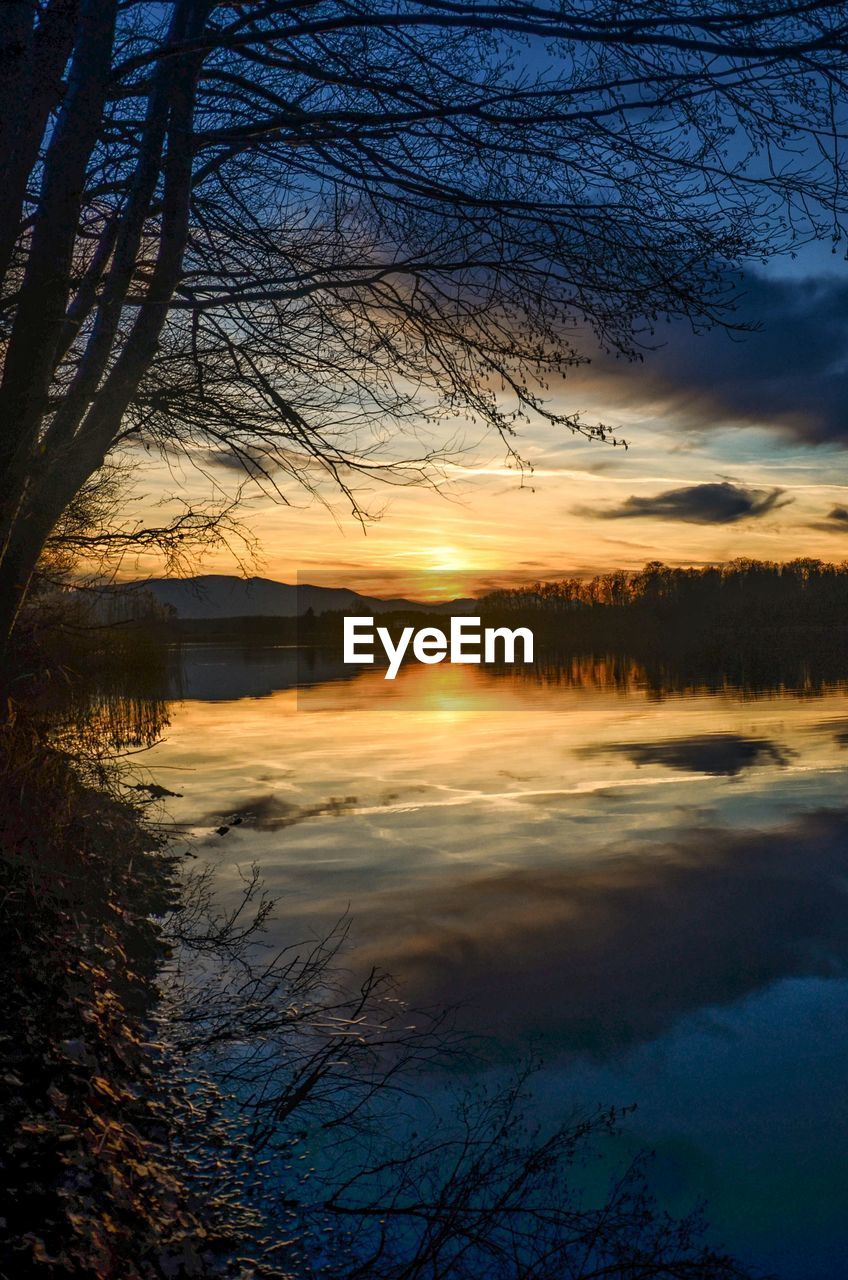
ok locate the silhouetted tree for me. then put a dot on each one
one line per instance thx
(281, 234)
(742, 595)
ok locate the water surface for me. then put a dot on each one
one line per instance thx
(649, 887)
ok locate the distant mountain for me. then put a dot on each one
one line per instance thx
(218, 595)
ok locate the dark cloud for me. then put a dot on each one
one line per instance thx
(246, 461)
(791, 373)
(719, 754)
(838, 726)
(711, 503)
(836, 521)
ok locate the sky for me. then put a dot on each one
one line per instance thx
(737, 447)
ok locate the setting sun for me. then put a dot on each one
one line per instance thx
(445, 560)
(424, 639)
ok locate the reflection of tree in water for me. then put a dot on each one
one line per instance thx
(786, 668)
(320, 1099)
(115, 720)
(275, 1111)
(112, 694)
(269, 1117)
(227, 672)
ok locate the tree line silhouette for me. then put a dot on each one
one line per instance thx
(741, 594)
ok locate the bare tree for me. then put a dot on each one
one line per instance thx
(306, 236)
(97, 535)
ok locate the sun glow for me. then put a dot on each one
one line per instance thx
(435, 570)
(445, 560)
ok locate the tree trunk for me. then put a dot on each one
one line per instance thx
(29, 357)
(16, 570)
(31, 527)
(69, 452)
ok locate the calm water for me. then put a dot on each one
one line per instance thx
(651, 889)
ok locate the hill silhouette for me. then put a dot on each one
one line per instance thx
(227, 596)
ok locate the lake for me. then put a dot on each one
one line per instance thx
(646, 885)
